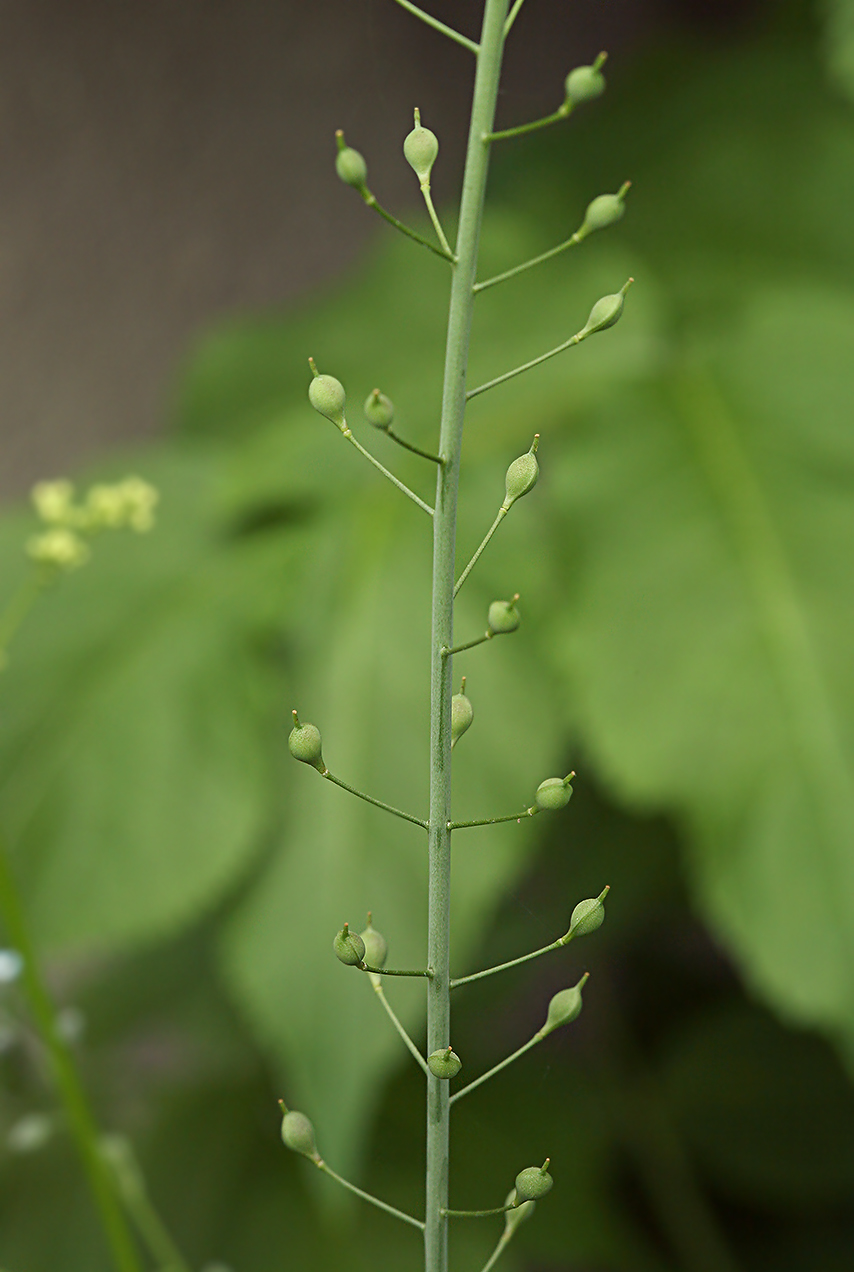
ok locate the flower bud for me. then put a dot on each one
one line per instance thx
(554, 793)
(304, 743)
(520, 1212)
(585, 83)
(59, 548)
(604, 210)
(349, 164)
(349, 947)
(326, 395)
(53, 501)
(298, 1134)
(462, 714)
(605, 312)
(421, 147)
(503, 616)
(379, 410)
(444, 1064)
(564, 1008)
(376, 946)
(533, 1182)
(588, 916)
(522, 475)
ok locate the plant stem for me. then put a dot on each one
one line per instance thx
(69, 1086)
(371, 200)
(369, 799)
(416, 450)
(444, 540)
(392, 1015)
(502, 513)
(511, 17)
(514, 962)
(490, 1073)
(503, 1242)
(520, 129)
(495, 821)
(437, 224)
(526, 366)
(535, 260)
(388, 971)
(439, 26)
(470, 644)
(479, 1214)
(385, 472)
(18, 608)
(375, 1201)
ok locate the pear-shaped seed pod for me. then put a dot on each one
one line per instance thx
(605, 312)
(533, 1182)
(564, 1007)
(462, 714)
(519, 1213)
(304, 743)
(553, 793)
(298, 1134)
(351, 168)
(421, 147)
(503, 616)
(444, 1064)
(376, 946)
(522, 475)
(587, 917)
(584, 84)
(379, 410)
(349, 947)
(326, 395)
(603, 211)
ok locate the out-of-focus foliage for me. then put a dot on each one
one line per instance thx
(684, 565)
(839, 43)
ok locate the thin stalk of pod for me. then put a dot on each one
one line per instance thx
(440, 26)
(582, 84)
(379, 411)
(132, 1190)
(520, 478)
(552, 794)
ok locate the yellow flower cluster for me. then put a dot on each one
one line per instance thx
(129, 503)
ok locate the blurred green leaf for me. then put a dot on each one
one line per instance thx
(839, 43)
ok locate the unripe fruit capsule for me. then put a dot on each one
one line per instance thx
(379, 410)
(462, 714)
(533, 1182)
(327, 396)
(564, 1007)
(520, 1212)
(444, 1064)
(604, 210)
(554, 793)
(376, 946)
(605, 312)
(298, 1134)
(349, 947)
(522, 475)
(304, 743)
(503, 616)
(587, 916)
(583, 84)
(421, 147)
(349, 164)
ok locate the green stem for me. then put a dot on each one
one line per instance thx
(511, 17)
(444, 540)
(502, 513)
(495, 821)
(18, 608)
(388, 971)
(152, 1230)
(416, 450)
(490, 1073)
(439, 26)
(389, 1010)
(478, 1214)
(535, 260)
(526, 366)
(371, 200)
(514, 962)
(437, 224)
(375, 1201)
(369, 799)
(503, 1242)
(69, 1086)
(561, 113)
(458, 649)
(385, 472)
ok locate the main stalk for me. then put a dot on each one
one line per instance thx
(444, 539)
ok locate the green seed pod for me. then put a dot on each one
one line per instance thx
(298, 1134)
(603, 211)
(421, 147)
(444, 1064)
(588, 916)
(326, 395)
(304, 743)
(564, 1008)
(379, 410)
(349, 164)
(462, 714)
(376, 946)
(522, 475)
(605, 312)
(518, 1214)
(584, 84)
(533, 1182)
(503, 616)
(349, 947)
(554, 793)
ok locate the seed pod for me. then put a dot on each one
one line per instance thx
(298, 1134)
(520, 1212)
(503, 616)
(603, 211)
(554, 793)
(584, 84)
(462, 714)
(564, 1008)
(605, 312)
(421, 147)
(444, 1064)
(326, 395)
(588, 915)
(522, 475)
(349, 164)
(304, 743)
(533, 1182)
(349, 947)
(379, 410)
(376, 946)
